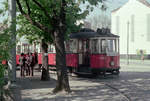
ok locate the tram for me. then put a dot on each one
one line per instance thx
(89, 52)
(25, 47)
(21, 47)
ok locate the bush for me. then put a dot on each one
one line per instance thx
(4, 55)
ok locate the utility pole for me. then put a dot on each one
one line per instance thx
(128, 42)
(12, 25)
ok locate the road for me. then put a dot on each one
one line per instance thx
(133, 84)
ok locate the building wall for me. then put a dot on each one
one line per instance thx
(138, 17)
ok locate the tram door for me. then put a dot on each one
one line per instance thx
(84, 52)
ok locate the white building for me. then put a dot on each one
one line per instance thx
(132, 23)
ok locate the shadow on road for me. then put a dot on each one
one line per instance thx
(132, 84)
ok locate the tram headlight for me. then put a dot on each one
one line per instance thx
(112, 63)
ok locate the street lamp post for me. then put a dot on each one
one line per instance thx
(12, 25)
(128, 42)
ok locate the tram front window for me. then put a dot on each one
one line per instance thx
(111, 45)
(103, 46)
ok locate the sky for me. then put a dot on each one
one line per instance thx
(111, 5)
(1, 18)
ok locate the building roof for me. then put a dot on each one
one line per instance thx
(141, 1)
(145, 3)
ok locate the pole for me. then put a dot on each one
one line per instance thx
(12, 25)
(128, 42)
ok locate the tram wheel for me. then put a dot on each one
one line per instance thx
(95, 74)
(116, 72)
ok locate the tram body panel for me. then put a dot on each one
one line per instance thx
(17, 59)
(103, 61)
(40, 58)
(51, 59)
(72, 60)
(4, 62)
(97, 61)
(112, 62)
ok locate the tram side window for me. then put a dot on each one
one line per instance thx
(71, 46)
(80, 45)
(111, 45)
(50, 48)
(26, 48)
(18, 49)
(94, 45)
(103, 46)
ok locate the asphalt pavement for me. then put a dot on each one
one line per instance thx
(131, 85)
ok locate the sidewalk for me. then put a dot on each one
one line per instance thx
(131, 61)
(135, 65)
(83, 89)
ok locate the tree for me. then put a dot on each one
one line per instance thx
(5, 45)
(56, 18)
(4, 55)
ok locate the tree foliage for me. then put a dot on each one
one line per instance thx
(47, 12)
(4, 55)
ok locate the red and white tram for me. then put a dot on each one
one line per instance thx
(91, 52)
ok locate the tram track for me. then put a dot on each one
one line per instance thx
(125, 96)
(122, 93)
(117, 90)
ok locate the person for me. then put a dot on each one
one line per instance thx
(31, 57)
(86, 58)
(35, 58)
(28, 64)
(142, 55)
(22, 61)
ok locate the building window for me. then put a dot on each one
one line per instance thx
(148, 27)
(132, 27)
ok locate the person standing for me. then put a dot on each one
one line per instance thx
(28, 65)
(31, 64)
(22, 61)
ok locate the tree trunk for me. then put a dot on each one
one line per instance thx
(62, 76)
(59, 34)
(45, 69)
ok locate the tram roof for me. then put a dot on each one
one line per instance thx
(87, 33)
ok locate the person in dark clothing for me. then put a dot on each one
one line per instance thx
(28, 65)
(35, 58)
(22, 61)
(31, 57)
